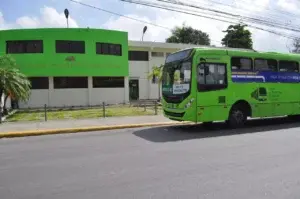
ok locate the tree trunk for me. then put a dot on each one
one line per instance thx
(5, 112)
(1, 115)
(1, 93)
(159, 92)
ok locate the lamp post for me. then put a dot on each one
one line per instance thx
(66, 11)
(144, 31)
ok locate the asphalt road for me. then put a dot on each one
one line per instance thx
(259, 161)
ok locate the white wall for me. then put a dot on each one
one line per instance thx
(107, 95)
(156, 61)
(143, 88)
(76, 97)
(38, 98)
(69, 97)
(154, 91)
(139, 70)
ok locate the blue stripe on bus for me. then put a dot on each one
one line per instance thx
(265, 76)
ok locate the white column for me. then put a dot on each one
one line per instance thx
(90, 90)
(8, 103)
(149, 71)
(126, 89)
(50, 92)
(2, 101)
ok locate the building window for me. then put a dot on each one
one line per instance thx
(25, 46)
(157, 54)
(70, 46)
(241, 63)
(108, 82)
(39, 82)
(288, 66)
(265, 65)
(138, 56)
(70, 82)
(109, 49)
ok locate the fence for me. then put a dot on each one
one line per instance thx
(136, 108)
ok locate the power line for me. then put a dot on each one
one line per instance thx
(111, 12)
(245, 18)
(131, 18)
(266, 8)
(208, 17)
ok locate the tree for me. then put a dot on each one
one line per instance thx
(188, 35)
(237, 37)
(295, 46)
(12, 82)
(156, 76)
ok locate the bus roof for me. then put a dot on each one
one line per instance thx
(244, 52)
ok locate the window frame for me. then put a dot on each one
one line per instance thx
(108, 85)
(157, 54)
(84, 86)
(69, 51)
(24, 48)
(38, 83)
(277, 64)
(282, 60)
(212, 87)
(242, 57)
(141, 51)
(100, 51)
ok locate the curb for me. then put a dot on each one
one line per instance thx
(83, 129)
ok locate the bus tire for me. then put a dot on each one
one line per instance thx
(237, 116)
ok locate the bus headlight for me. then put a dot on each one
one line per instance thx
(189, 103)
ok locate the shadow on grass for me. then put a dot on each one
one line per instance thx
(188, 132)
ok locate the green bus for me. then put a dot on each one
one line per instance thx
(219, 84)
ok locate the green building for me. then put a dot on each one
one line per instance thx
(70, 67)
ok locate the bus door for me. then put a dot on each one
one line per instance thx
(263, 105)
(211, 91)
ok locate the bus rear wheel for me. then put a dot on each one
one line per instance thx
(237, 117)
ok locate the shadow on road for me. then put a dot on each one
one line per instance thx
(187, 132)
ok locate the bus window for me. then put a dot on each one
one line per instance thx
(212, 74)
(265, 64)
(238, 63)
(288, 66)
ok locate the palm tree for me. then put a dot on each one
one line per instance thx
(157, 74)
(12, 82)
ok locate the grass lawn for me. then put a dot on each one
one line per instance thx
(117, 111)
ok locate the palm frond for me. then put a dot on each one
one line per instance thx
(12, 81)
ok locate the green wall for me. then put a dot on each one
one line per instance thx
(51, 63)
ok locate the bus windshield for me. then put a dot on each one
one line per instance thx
(176, 78)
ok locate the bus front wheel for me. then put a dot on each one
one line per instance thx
(237, 116)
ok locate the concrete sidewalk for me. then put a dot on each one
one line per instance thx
(84, 123)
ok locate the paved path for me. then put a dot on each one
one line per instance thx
(256, 162)
(21, 126)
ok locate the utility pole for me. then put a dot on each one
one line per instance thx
(144, 31)
(67, 16)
